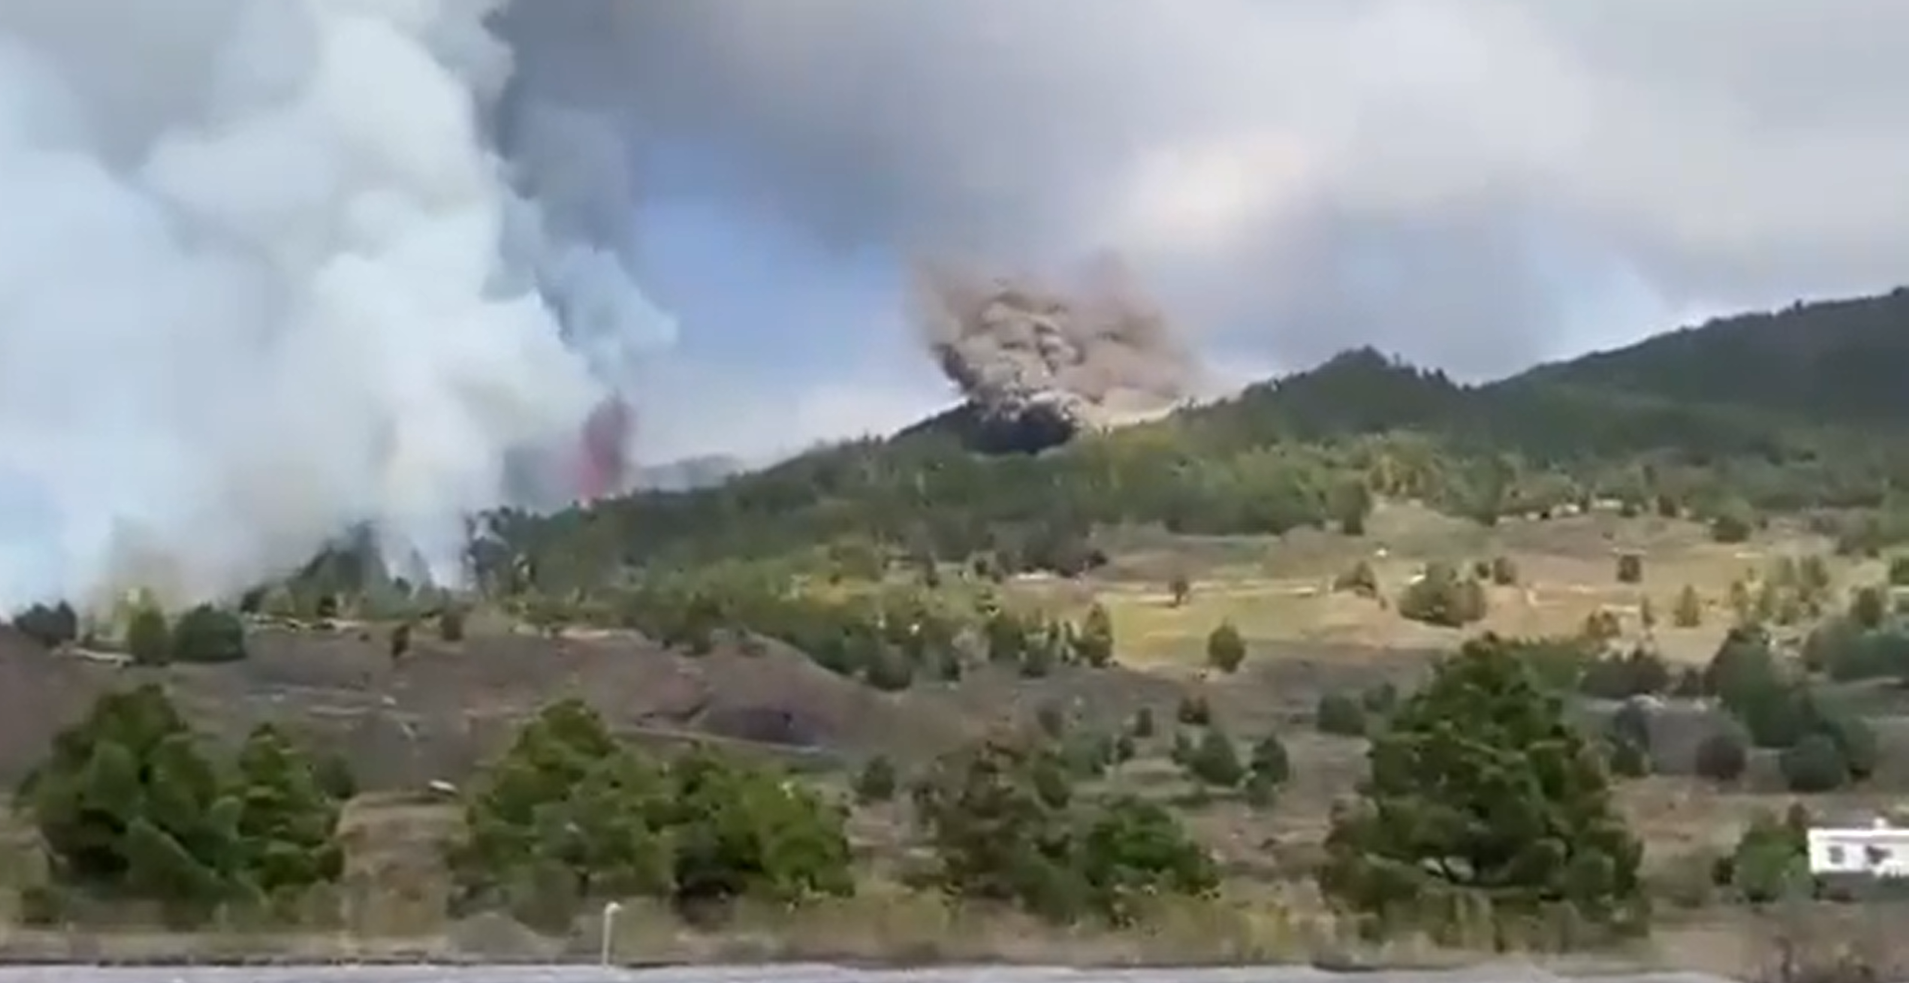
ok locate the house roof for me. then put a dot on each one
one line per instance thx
(1847, 833)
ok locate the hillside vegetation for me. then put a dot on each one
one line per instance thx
(1222, 686)
(1832, 361)
(1771, 412)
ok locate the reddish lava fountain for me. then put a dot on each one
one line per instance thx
(602, 464)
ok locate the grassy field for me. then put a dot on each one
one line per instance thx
(1280, 590)
(1304, 639)
(391, 906)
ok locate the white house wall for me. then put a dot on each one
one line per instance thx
(1878, 852)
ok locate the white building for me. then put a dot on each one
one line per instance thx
(1880, 850)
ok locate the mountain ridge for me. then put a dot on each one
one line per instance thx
(690, 473)
(1855, 371)
(1724, 417)
(1844, 359)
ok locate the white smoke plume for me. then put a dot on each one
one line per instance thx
(265, 276)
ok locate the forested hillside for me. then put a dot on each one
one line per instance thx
(1784, 411)
(852, 612)
(1841, 360)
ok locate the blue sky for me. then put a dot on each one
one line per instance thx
(782, 340)
(785, 340)
(1472, 184)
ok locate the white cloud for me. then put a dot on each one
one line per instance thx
(1194, 200)
(1461, 179)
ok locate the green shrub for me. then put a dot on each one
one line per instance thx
(288, 816)
(1129, 851)
(1341, 715)
(1854, 654)
(50, 625)
(1853, 737)
(1002, 827)
(1441, 597)
(1555, 663)
(1742, 667)
(1094, 644)
(570, 814)
(1770, 862)
(1601, 626)
(1639, 672)
(1722, 756)
(1216, 761)
(1814, 765)
(877, 780)
(1732, 527)
(1777, 715)
(1445, 753)
(1869, 607)
(1225, 649)
(888, 671)
(1270, 764)
(1828, 648)
(208, 635)
(148, 637)
(128, 807)
(1088, 754)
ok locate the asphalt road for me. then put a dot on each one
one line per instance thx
(787, 974)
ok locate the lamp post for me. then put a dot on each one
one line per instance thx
(609, 932)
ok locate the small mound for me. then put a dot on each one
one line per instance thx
(40, 692)
(441, 710)
(499, 938)
(781, 697)
(1030, 425)
(763, 725)
(1028, 428)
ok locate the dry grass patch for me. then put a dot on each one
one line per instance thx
(1281, 589)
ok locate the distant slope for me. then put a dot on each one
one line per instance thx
(1804, 408)
(1843, 361)
(689, 473)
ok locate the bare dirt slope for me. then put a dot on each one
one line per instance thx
(441, 708)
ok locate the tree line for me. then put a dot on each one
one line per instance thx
(1310, 450)
(132, 806)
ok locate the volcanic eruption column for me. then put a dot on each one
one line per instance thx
(1094, 353)
(274, 271)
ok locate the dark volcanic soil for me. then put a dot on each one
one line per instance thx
(439, 710)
